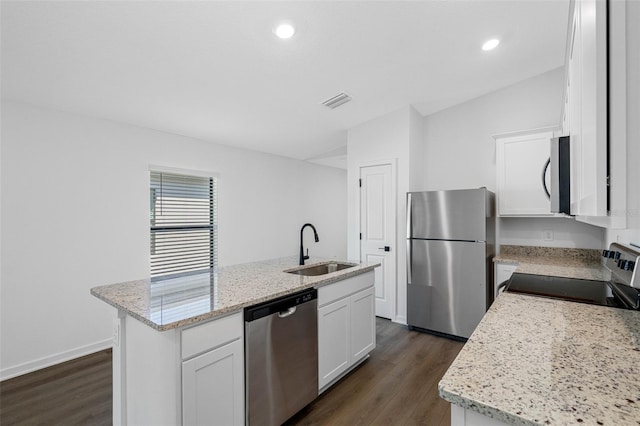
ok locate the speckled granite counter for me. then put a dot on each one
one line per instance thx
(559, 262)
(177, 302)
(535, 360)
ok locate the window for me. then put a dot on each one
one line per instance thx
(183, 224)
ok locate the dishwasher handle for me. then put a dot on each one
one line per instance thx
(287, 313)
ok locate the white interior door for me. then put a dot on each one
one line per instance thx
(378, 233)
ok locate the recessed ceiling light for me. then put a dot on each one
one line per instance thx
(285, 30)
(490, 44)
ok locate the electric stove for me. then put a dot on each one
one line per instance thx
(621, 292)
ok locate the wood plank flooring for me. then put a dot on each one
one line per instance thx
(398, 385)
(77, 392)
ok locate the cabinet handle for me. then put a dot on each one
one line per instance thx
(544, 173)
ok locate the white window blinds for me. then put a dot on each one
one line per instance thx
(183, 224)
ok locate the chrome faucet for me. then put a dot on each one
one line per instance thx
(315, 234)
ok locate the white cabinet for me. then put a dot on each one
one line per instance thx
(363, 324)
(503, 272)
(334, 351)
(213, 373)
(346, 326)
(189, 376)
(467, 417)
(594, 111)
(586, 103)
(212, 387)
(521, 158)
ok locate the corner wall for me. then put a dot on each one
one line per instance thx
(75, 215)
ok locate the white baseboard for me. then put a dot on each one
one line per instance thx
(48, 361)
(401, 319)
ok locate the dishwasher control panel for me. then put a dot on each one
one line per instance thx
(281, 304)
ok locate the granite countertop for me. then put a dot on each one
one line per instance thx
(534, 360)
(177, 302)
(559, 262)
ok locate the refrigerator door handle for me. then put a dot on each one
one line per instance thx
(409, 215)
(409, 261)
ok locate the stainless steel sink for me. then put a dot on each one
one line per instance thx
(322, 269)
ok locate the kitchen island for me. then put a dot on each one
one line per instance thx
(534, 360)
(178, 351)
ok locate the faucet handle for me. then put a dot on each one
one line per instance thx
(307, 255)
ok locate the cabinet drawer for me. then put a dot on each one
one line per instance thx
(203, 337)
(344, 288)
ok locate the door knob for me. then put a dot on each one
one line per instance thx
(385, 248)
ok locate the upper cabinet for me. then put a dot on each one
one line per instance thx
(593, 112)
(522, 172)
(586, 92)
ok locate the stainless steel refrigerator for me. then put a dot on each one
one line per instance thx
(450, 246)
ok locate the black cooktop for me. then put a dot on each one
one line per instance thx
(575, 290)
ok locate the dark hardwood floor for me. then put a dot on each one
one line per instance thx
(398, 385)
(77, 392)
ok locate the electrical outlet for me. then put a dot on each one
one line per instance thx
(547, 235)
(116, 332)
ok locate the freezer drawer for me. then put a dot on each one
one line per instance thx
(446, 286)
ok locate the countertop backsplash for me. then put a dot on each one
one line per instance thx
(580, 255)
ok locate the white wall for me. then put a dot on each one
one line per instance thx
(75, 215)
(416, 151)
(459, 146)
(460, 152)
(566, 233)
(632, 233)
(322, 200)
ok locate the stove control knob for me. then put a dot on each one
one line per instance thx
(611, 254)
(605, 253)
(628, 265)
(616, 255)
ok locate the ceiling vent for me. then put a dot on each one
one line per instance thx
(337, 100)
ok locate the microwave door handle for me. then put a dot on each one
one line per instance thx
(544, 181)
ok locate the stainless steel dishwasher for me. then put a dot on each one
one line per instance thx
(281, 367)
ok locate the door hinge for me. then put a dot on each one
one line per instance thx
(360, 183)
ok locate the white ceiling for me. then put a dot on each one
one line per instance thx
(215, 71)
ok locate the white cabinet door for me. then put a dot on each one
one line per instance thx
(213, 387)
(587, 107)
(334, 340)
(520, 162)
(363, 324)
(503, 272)
(590, 147)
